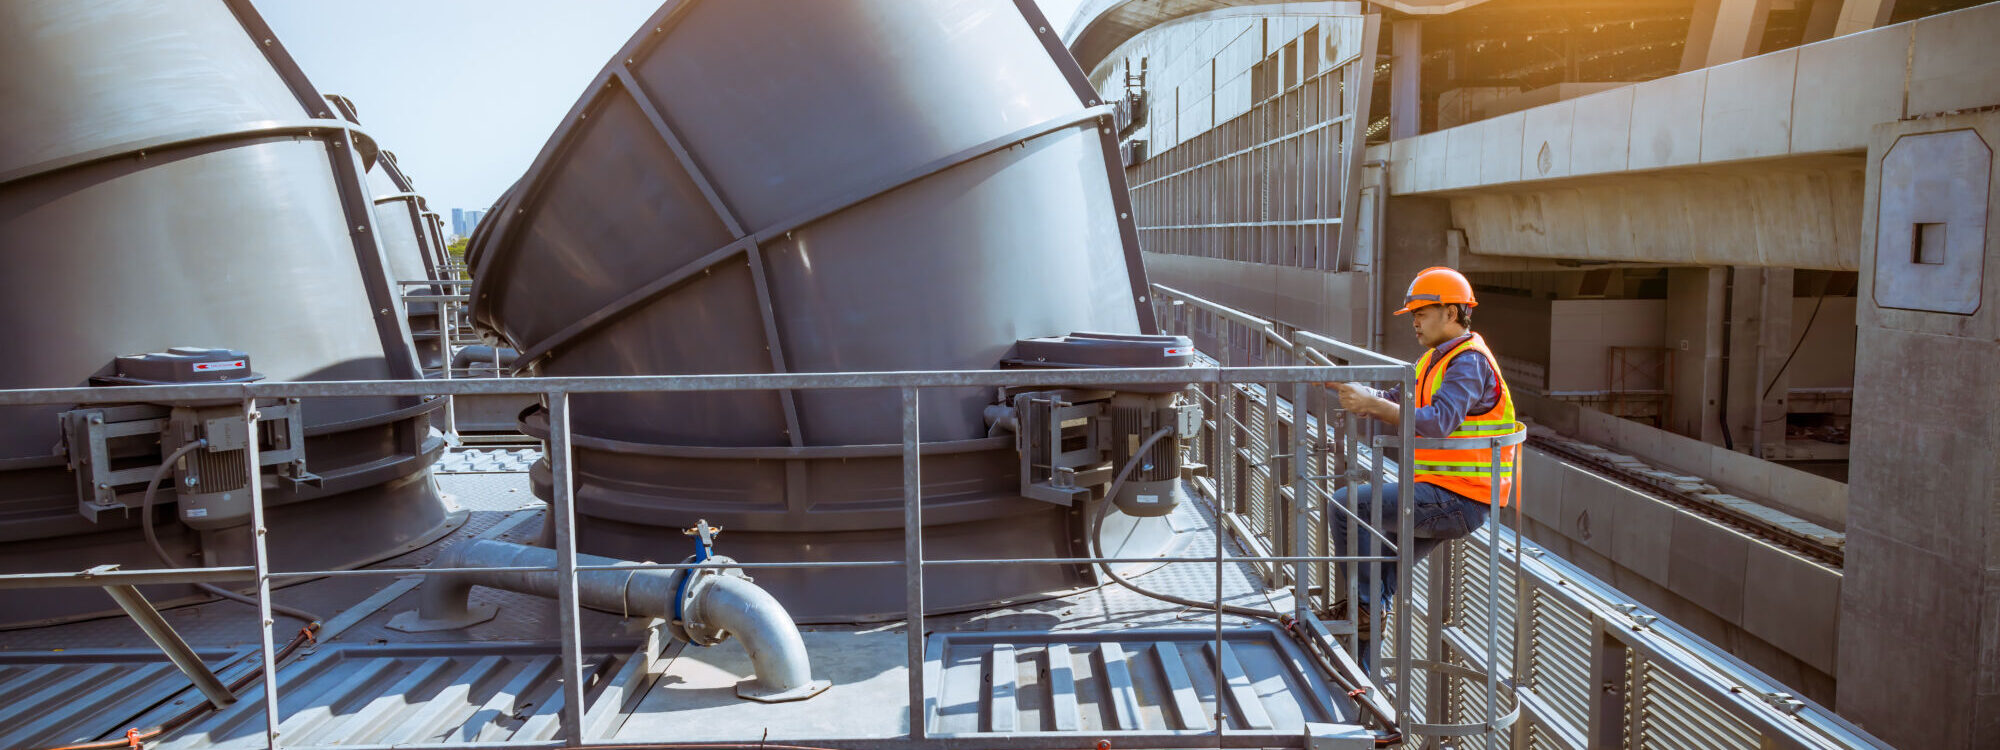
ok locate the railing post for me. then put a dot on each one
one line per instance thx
(913, 561)
(1494, 499)
(1275, 520)
(1225, 426)
(1301, 505)
(1406, 531)
(562, 514)
(1438, 614)
(261, 555)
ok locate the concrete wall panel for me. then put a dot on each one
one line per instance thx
(1464, 149)
(1747, 111)
(1793, 604)
(1500, 149)
(1707, 565)
(1848, 84)
(1602, 132)
(1955, 62)
(1661, 136)
(1545, 141)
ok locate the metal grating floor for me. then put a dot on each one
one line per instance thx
(1133, 662)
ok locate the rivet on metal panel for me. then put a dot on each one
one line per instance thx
(267, 42)
(1042, 29)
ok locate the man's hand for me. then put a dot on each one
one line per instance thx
(1362, 400)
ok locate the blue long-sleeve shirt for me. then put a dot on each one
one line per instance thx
(1470, 387)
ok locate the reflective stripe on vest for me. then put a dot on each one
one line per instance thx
(1467, 472)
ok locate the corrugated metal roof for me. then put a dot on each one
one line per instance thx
(350, 695)
(51, 698)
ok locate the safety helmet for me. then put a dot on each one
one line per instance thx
(1438, 285)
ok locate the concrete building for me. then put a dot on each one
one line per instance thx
(1730, 251)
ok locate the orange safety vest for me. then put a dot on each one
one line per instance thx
(1467, 472)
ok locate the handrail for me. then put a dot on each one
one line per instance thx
(557, 392)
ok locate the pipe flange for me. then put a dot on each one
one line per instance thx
(688, 628)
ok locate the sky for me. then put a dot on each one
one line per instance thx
(466, 92)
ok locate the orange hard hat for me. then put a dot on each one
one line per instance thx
(1438, 285)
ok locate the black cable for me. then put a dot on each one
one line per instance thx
(1795, 348)
(146, 523)
(1096, 545)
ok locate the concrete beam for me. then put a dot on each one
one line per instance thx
(1798, 214)
(1722, 31)
(1406, 106)
(1862, 15)
(1831, 18)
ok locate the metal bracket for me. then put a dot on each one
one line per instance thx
(98, 439)
(1045, 419)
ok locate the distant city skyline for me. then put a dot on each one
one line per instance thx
(464, 220)
(466, 92)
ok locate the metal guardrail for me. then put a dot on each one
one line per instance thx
(557, 392)
(1589, 667)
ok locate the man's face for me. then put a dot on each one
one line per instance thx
(1433, 324)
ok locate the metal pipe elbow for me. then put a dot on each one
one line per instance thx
(723, 605)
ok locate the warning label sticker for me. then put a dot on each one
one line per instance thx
(234, 364)
(1175, 351)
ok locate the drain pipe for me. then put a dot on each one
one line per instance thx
(716, 603)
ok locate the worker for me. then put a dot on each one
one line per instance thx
(1459, 394)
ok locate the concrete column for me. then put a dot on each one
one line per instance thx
(1832, 18)
(1414, 238)
(1723, 31)
(1406, 106)
(1919, 656)
(1694, 335)
(1760, 327)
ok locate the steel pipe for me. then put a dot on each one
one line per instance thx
(714, 606)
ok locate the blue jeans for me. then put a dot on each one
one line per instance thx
(1442, 516)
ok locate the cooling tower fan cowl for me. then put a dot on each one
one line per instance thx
(178, 204)
(755, 187)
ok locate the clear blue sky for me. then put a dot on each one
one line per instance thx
(466, 91)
